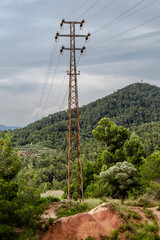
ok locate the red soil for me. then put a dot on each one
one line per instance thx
(99, 222)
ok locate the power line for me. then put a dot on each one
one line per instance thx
(79, 59)
(102, 27)
(53, 51)
(89, 9)
(52, 81)
(132, 13)
(131, 29)
(77, 9)
(47, 73)
(101, 9)
(60, 88)
(64, 98)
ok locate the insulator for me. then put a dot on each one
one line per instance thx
(61, 24)
(81, 25)
(88, 35)
(61, 50)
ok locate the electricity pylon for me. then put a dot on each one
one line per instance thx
(74, 165)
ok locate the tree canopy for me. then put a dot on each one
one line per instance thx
(128, 107)
(120, 178)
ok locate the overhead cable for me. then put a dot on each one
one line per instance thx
(132, 13)
(129, 30)
(101, 9)
(77, 9)
(60, 89)
(52, 81)
(64, 98)
(105, 25)
(88, 9)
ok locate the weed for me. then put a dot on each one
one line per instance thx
(146, 201)
(123, 227)
(134, 215)
(46, 227)
(90, 238)
(47, 200)
(148, 213)
(93, 202)
(145, 236)
(152, 228)
(114, 234)
(67, 211)
(50, 221)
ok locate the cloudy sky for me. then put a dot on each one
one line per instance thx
(124, 48)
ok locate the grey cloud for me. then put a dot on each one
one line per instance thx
(26, 39)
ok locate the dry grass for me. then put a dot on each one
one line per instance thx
(53, 193)
(93, 202)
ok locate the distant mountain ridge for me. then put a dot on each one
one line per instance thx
(131, 106)
(3, 127)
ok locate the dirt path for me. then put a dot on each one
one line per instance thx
(154, 210)
(156, 213)
(50, 212)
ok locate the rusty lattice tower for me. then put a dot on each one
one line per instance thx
(74, 165)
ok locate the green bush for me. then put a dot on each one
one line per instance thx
(114, 234)
(134, 215)
(123, 227)
(152, 228)
(145, 236)
(46, 227)
(67, 211)
(90, 238)
(148, 213)
(28, 234)
(47, 200)
(50, 221)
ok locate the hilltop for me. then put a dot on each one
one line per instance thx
(131, 106)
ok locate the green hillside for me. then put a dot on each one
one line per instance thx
(131, 106)
(149, 134)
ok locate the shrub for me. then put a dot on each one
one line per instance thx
(90, 238)
(134, 215)
(47, 200)
(114, 234)
(50, 221)
(67, 211)
(46, 227)
(152, 228)
(121, 178)
(148, 213)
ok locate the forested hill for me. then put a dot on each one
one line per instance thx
(131, 106)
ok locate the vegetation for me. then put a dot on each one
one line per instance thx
(20, 202)
(120, 178)
(150, 172)
(128, 107)
(149, 134)
(118, 162)
(68, 210)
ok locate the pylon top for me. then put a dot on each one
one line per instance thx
(72, 22)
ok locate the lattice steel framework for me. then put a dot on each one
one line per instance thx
(74, 165)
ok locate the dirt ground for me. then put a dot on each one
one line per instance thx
(96, 223)
(50, 212)
(99, 222)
